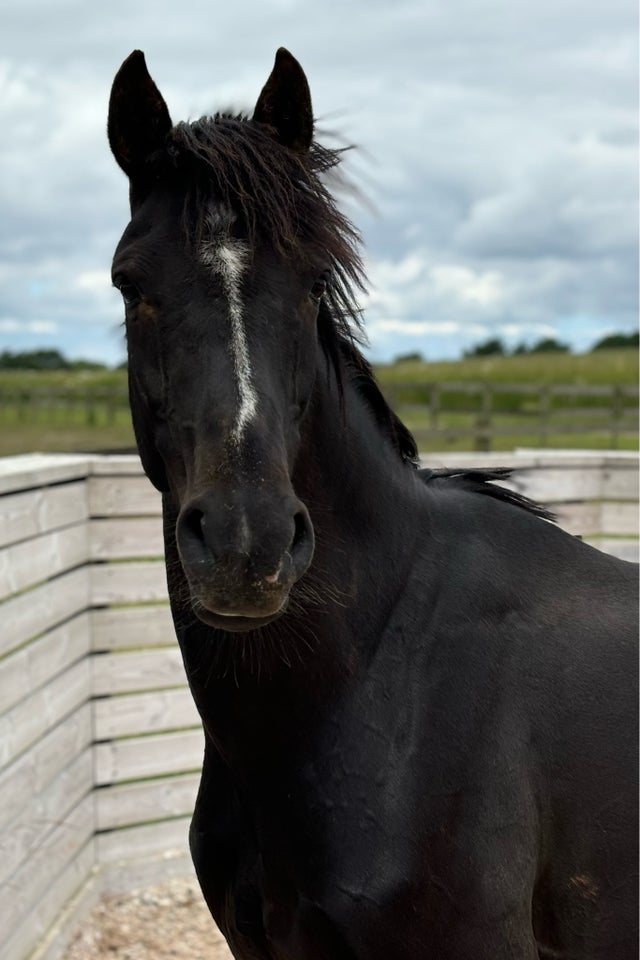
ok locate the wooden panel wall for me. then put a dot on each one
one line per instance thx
(47, 820)
(147, 734)
(100, 743)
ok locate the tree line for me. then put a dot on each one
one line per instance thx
(496, 347)
(44, 360)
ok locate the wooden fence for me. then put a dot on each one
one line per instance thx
(100, 744)
(483, 413)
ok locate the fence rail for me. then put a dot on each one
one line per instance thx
(100, 743)
(482, 412)
(57, 404)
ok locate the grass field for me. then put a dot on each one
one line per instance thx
(588, 369)
(88, 410)
(64, 411)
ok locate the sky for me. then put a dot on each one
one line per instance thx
(496, 149)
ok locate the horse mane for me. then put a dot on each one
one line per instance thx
(281, 199)
(482, 481)
(362, 376)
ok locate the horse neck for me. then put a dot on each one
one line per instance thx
(361, 496)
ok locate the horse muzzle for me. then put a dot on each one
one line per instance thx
(241, 557)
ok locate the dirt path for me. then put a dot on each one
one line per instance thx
(167, 922)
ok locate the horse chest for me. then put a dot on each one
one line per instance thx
(358, 859)
(388, 917)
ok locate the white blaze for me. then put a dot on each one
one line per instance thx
(228, 261)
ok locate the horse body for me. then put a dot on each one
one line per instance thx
(451, 794)
(415, 690)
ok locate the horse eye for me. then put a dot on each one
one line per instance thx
(318, 290)
(130, 293)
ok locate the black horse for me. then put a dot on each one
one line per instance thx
(416, 692)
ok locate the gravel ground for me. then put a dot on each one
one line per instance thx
(167, 922)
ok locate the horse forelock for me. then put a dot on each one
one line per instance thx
(278, 197)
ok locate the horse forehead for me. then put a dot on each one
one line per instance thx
(149, 240)
(227, 257)
(218, 221)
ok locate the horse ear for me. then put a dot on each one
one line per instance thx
(138, 117)
(285, 103)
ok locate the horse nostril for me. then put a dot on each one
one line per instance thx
(194, 537)
(301, 547)
(299, 531)
(194, 522)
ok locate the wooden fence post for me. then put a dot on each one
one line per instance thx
(544, 409)
(616, 414)
(434, 406)
(483, 421)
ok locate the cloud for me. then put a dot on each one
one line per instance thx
(574, 203)
(12, 325)
(517, 331)
(462, 283)
(94, 281)
(420, 327)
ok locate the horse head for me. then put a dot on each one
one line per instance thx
(222, 281)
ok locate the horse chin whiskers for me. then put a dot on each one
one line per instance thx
(257, 655)
(241, 619)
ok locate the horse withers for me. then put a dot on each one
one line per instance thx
(417, 693)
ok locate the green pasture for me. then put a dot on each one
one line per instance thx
(586, 369)
(64, 411)
(88, 410)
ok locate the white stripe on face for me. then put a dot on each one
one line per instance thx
(227, 259)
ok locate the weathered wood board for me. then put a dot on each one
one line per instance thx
(118, 628)
(154, 712)
(153, 756)
(150, 800)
